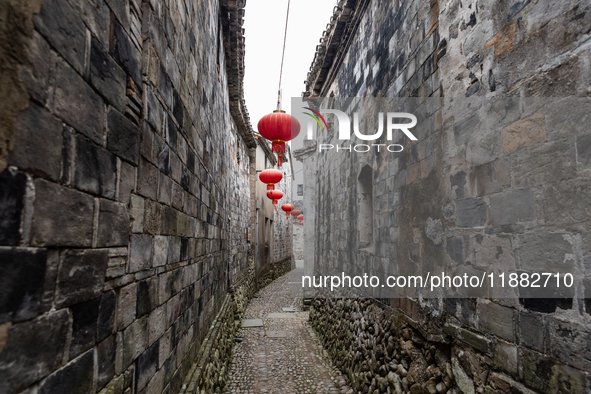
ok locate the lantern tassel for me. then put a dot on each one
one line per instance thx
(270, 186)
(278, 146)
(279, 159)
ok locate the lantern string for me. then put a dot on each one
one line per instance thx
(283, 57)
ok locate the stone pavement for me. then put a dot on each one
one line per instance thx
(285, 355)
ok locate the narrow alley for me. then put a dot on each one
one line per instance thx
(284, 355)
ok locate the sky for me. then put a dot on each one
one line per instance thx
(264, 24)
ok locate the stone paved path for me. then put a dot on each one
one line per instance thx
(285, 355)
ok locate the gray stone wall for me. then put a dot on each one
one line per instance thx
(124, 191)
(502, 186)
(283, 228)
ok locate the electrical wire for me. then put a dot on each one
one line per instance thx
(283, 57)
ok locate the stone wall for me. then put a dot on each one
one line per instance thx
(124, 192)
(283, 245)
(501, 186)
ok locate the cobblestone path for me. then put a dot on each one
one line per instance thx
(285, 355)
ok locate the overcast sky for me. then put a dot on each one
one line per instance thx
(264, 29)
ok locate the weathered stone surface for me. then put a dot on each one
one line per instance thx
(22, 279)
(135, 340)
(81, 276)
(106, 352)
(497, 319)
(147, 296)
(12, 194)
(146, 366)
(106, 318)
(84, 326)
(533, 330)
(125, 53)
(491, 177)
(30, 354)
(140, 253)
(127, 306)
(126, 182)
(123, 136)
(524, 133)
(584, 150)
(106, 76)
(512, 207)
(38, 144)
(545, 252)
(62, 216)
(471, 213)
(96, 169)
(113, 227)
(64, 30)
(147, 182)
(77, 104)
(76, 377)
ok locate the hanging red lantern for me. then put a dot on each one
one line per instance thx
(271, 176)
(287, 208)
(300, 218)
(279, 127)
(295, 213)
(275, 195)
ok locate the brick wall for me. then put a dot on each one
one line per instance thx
(124, 191)
(476, 191)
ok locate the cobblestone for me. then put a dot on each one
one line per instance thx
(285, 355)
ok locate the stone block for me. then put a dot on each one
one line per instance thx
(106, 319)
(76, 377)
(584, 150)
(106, 76)
(12, 193)
(38, 143)
(532, 331)
(140, 253)
(126, 182)
(77, 104)
(545, 252)
(62, 216)
(123, 136)
(156, 324)
(147, 296)
(62, 27)
(512, 207)
(127, 306)
(491, 177)
(135, 340)
(29, 354)
(22, 280)
(505, 357)
(84, 326)
(160, 250)
(38, 72)
(471, 213)
(524, 132)
(96, 169)
(496, 320)
(152, 217)
(81, 276)
(146, 366)
(464, 128)
(125, 53)
(113, 228)
(154, 112)
(106, 352)
(136, 213)
(493, 252)
(147, 182)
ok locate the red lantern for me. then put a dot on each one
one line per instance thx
(300, 218)
(275, 195)
(279, 127)
(295, 213)
(287, 208)
(271, 176)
